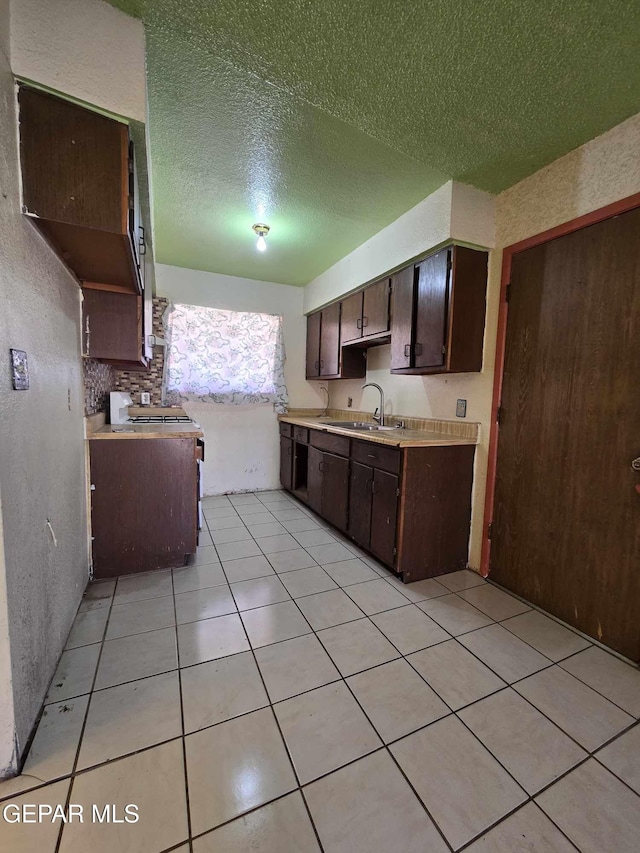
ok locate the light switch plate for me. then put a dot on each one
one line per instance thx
(145, 398)
(19, 370)
(461, 409)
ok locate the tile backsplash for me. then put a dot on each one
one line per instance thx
(136, 381)
(100, 379)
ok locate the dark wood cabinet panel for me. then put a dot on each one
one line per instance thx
(384, 516)
(330, 341)
(376, 455)
(402, 310)
(330, 442)
(335, 490)
(286, 429)
(351, 323)
(112, 326)
(314, 479)
(435, 512)
(77, 176)
(144, 512)
(467, 309)
(431, 310)
(286, 462)
(375, 309)
(360, 486)
(313, 345)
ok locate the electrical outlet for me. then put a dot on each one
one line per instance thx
(145, 398)
(349, 402)
(461, 409)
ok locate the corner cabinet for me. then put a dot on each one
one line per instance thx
(409, 507)
(438, 313)
(366, 315)
(326, 359)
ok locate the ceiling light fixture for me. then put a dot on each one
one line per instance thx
(261, 230)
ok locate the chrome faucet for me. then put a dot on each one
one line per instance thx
(378, 418)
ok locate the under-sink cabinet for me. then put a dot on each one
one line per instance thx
(408, 506)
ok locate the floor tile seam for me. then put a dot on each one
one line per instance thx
(280, 732)
(182, 726)
(86, 714)
(591, 640)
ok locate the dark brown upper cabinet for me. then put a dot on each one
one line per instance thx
(78, 183)
(325, 357)
(438, 313)
(112, 327)
(365, 315)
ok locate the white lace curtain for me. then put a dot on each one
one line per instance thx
(216, 356)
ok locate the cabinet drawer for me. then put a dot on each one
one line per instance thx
(301, 434)
(327, 441)
(286, 429)
(377, 456)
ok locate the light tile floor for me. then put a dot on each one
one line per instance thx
(287, 694)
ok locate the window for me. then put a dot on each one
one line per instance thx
(220, 356)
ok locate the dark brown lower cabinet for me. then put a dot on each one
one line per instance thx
(409, 507)
(335, 490)
(144, 503)
(384, 516)
(286, 462)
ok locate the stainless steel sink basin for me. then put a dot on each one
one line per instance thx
(359, 426)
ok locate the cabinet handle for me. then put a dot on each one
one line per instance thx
(418, 349)
(358, 323)
(142, 241)
(407, 350)
(365, 322)
(371, 455)
(320, 466)
(321, 363)
(290, 450)
(316, 364)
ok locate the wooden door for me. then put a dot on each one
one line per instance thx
(313, 345)
(375, 310)
(360, 485)
(286, 462)
(431, 310)
(335, 490)
(314, 480)
(330, 341)
(566, 522)
(351, 319)
(402, 302)
(384, 513)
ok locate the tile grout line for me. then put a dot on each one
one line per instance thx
(182, 726)
(277, 722)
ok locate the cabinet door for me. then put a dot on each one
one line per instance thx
(431, 310)
(314, 480)
(375, 311)
(335, 490)
(361, 480)
(402, 301)
(384, 512)
(112, 325)
(330, 341)
(313, 345)
(351, 319)
(286, 462)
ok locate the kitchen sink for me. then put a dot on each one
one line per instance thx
(359, 426)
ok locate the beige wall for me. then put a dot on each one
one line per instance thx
(42, 462)
(84, 48)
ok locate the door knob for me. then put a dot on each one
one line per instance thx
(636, 464)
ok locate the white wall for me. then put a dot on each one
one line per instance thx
(42, 462)
(84, 48)
(242, 442)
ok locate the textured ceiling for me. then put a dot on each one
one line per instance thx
(329, 119)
